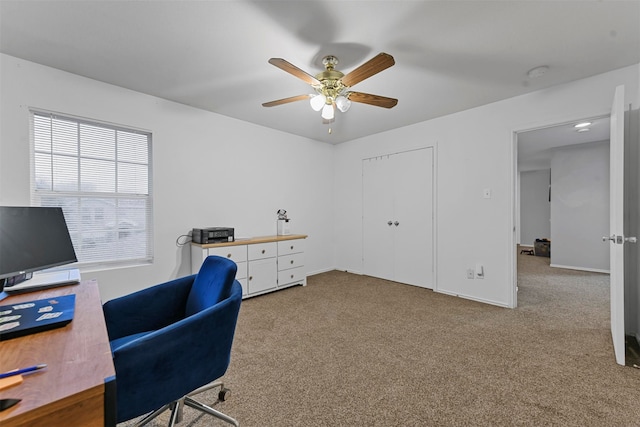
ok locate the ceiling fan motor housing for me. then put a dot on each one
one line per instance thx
(331, 86)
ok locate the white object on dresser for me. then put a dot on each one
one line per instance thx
(265, 264)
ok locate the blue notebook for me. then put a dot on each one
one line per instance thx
(29, 317)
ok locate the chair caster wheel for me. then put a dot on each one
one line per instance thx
(224, 394)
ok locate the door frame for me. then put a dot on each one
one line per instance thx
(515, 194)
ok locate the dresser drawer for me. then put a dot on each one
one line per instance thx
(234, 253)
(293, 275)
(290, 246)
(290, 261)
(262, 250)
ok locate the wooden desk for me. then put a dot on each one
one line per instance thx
(78, 386)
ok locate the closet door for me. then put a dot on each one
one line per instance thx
(413, 214)
(398, 217)
(377, 202)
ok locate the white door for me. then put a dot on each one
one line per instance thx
(413, 217)
(616, 224)
(398, 217)
(377, 217)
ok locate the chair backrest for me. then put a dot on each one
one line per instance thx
(212, 284)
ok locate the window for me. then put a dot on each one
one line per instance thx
(101, 177)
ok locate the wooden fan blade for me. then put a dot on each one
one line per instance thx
(377, 100)
(380, 62)
(295, 71)
(286, 100)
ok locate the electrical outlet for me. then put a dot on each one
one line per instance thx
(471, 273)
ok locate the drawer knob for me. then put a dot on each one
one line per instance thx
(292, 276)
(291, 247)
(291, 261)
(263, 251)
(250, 277)
(228, 255)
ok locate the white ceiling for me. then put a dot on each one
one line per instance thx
(450, 55)
(535, 147)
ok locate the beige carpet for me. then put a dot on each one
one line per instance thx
(351, 350)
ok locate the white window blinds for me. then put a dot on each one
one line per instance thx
(101, 177)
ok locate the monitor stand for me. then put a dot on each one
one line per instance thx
(44, 280)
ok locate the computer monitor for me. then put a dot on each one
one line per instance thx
(32, 239)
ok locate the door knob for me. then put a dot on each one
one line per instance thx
(631, 239)
(396, 223)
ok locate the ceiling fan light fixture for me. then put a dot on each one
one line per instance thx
(333, 87)
(343, 103)
(317, 102)
(327, 112)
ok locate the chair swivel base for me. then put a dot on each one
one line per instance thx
(177, 407)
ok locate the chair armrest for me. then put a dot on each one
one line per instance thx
(171, 362)
(148, 309)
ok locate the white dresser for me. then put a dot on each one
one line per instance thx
(265, 264)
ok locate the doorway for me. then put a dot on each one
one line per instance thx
(579, 156)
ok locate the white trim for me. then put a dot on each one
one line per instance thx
(514, 224)
(324, 270)
(570, 267)
(467, 297)
(434, 214)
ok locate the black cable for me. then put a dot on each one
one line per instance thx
(178, 243)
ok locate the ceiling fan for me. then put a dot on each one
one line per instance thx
(333, 88)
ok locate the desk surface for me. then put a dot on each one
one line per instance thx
(252, 240)
(70, 391)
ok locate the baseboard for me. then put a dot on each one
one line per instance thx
(571, 267)
(467, 297)
(525, 245)
(346, 270)
(324, 270)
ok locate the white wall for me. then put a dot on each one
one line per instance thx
(198, 155)
(208, 169)
(474, 151)
(580, 207)
(535, 208)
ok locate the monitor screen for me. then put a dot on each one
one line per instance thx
(32, 239)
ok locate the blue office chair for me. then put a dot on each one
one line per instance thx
(171, 341)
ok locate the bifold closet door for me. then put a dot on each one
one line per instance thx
(413, 211)
(377, 199)
(398, 217)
